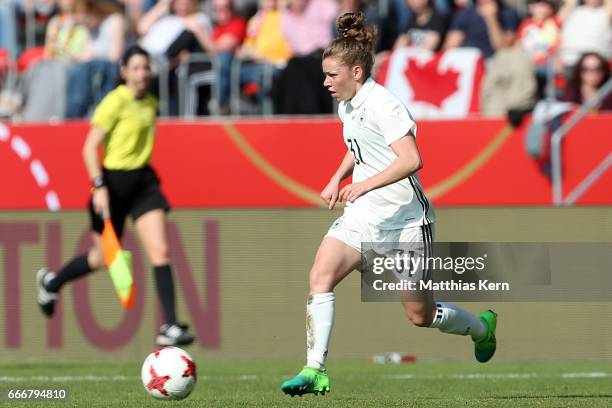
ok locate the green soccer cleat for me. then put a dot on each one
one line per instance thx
(308, 381)
(485, 348)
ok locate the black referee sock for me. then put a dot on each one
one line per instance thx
(74, 269)
(165, 292)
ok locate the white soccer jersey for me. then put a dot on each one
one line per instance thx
(373, 119)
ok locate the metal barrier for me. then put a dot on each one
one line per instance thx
(160, 66)
(188, 84)
(556, 159)
(266, 107)
(30, 28)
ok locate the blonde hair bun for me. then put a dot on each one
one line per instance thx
(352, 26)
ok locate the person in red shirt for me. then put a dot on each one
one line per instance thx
(229, 30)
(227, 35)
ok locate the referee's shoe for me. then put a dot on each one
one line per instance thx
(174, 335)
(45, 298)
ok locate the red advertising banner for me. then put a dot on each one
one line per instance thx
(285, 163)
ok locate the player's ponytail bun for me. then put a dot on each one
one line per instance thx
(352, 26)
(355, 42)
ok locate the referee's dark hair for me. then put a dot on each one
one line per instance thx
(130, 52)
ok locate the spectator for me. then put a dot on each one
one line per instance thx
(44, 85)
(401, 14)
(168, 33)
(587, 29)
(590, 73)
(100, 72)
(107, 28)
(165, 23)
(65, 37)
(228, 32)
(265, 47)
(306, 25)
(509, 84)
(299, 88)
(540, 35)
(227, 35)
(265, 41)
(488, 26)
(426, 27)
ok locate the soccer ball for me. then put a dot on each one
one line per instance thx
(169, 373)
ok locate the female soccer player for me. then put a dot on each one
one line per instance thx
(124, 123)
(385, 203)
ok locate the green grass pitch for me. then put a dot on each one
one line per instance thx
(354, 384)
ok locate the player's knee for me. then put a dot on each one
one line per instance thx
(321, 281)
(420, 318)
(159, 253)
(95, 258)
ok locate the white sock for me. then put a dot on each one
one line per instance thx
(320, 312)
(454, 320)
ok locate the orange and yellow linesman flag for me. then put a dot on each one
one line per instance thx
(119, 264)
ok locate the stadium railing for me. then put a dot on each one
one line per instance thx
(160, 66)
(266, 105)
(556, 157)
(190, 82)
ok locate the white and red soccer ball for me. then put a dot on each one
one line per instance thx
(169, 373)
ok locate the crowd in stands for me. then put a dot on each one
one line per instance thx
(271, 50)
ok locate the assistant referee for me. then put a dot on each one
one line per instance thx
(124, 123)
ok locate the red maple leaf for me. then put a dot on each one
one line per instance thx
(157, 382)
(428, 84)
(191, 368)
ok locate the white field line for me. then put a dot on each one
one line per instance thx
(250, 377)
(64, 378)
(498, 376)
(93, 378)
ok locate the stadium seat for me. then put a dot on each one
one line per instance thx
(196, 72)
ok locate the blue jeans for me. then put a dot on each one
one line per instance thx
(148, 5)
(88, 83)
(225, 60)
(8, 27)
(254, 72)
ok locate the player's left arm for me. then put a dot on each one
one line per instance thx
(407, 162)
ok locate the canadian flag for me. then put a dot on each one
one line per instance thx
(435, 85)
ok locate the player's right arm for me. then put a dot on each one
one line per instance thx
(330, 192)
(92, 164)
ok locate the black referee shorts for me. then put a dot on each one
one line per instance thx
(131, 192)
